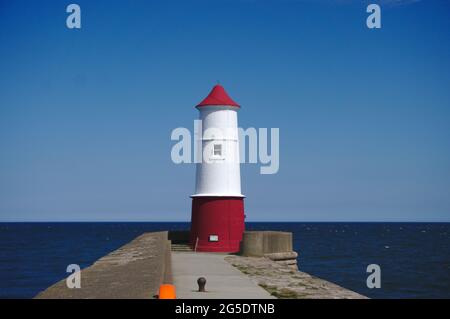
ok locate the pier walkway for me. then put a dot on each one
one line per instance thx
(222, 279)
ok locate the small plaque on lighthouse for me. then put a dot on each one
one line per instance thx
(213, 238)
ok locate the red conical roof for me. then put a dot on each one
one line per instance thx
(218, 96)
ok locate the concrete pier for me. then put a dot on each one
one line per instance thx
(223, 280)
(137, 269)
(133, 271)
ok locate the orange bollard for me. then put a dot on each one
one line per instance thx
(167, 291)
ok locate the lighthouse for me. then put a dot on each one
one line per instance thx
(217, 222)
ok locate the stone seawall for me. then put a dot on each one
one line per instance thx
(286, 282)
(135, 271)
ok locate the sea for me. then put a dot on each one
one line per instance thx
(414, 258)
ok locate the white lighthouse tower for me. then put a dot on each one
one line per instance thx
(217, 205)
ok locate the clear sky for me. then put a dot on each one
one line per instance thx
(86, 115)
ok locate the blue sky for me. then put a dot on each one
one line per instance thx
(86, 115)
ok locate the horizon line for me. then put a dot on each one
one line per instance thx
(250, 221)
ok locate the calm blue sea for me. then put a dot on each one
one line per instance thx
(414, 257)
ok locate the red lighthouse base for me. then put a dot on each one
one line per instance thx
(217, 224)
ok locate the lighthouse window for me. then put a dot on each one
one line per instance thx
(217, 150)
